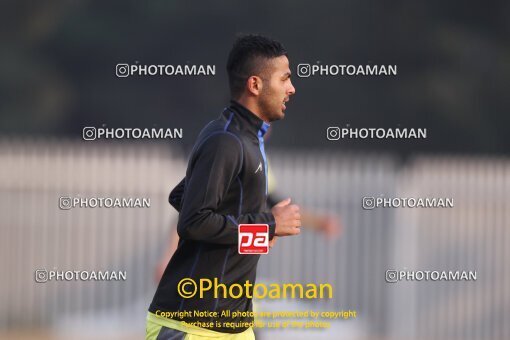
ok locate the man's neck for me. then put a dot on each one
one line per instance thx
(252, 106)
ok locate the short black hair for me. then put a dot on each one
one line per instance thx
(248, 56)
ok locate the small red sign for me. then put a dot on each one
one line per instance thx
(253, 238)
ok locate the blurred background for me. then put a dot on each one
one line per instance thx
(57, 76)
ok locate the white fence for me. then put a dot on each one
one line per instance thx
(473, 235)
(37, 234)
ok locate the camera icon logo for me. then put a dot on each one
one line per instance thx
(41, 276)
(304, 70)
(65, 203)
(333, 133)
(122, 70)
(89, 133)
(368, 203)
(391, 276)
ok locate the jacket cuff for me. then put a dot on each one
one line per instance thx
(272, 225)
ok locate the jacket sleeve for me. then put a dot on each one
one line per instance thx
(175, 198)
(213, 167)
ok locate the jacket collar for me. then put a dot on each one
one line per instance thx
(251, 122)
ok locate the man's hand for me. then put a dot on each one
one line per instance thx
(287, 218)
(331, 226)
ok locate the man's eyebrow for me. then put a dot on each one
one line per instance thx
(287, 74)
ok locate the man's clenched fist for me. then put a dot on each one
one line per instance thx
(287, 218)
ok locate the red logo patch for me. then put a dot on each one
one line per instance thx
(253, 238)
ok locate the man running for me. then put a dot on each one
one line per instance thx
(226, 185)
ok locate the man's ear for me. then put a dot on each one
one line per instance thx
(254, 85)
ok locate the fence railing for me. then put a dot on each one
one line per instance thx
(473, 235)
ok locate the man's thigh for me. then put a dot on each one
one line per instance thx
(246, 335)
(153, 331)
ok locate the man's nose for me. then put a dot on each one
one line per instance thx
(292, 90)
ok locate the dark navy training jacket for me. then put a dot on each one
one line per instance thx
(225, 185)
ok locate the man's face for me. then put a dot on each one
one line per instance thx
(276, 89)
